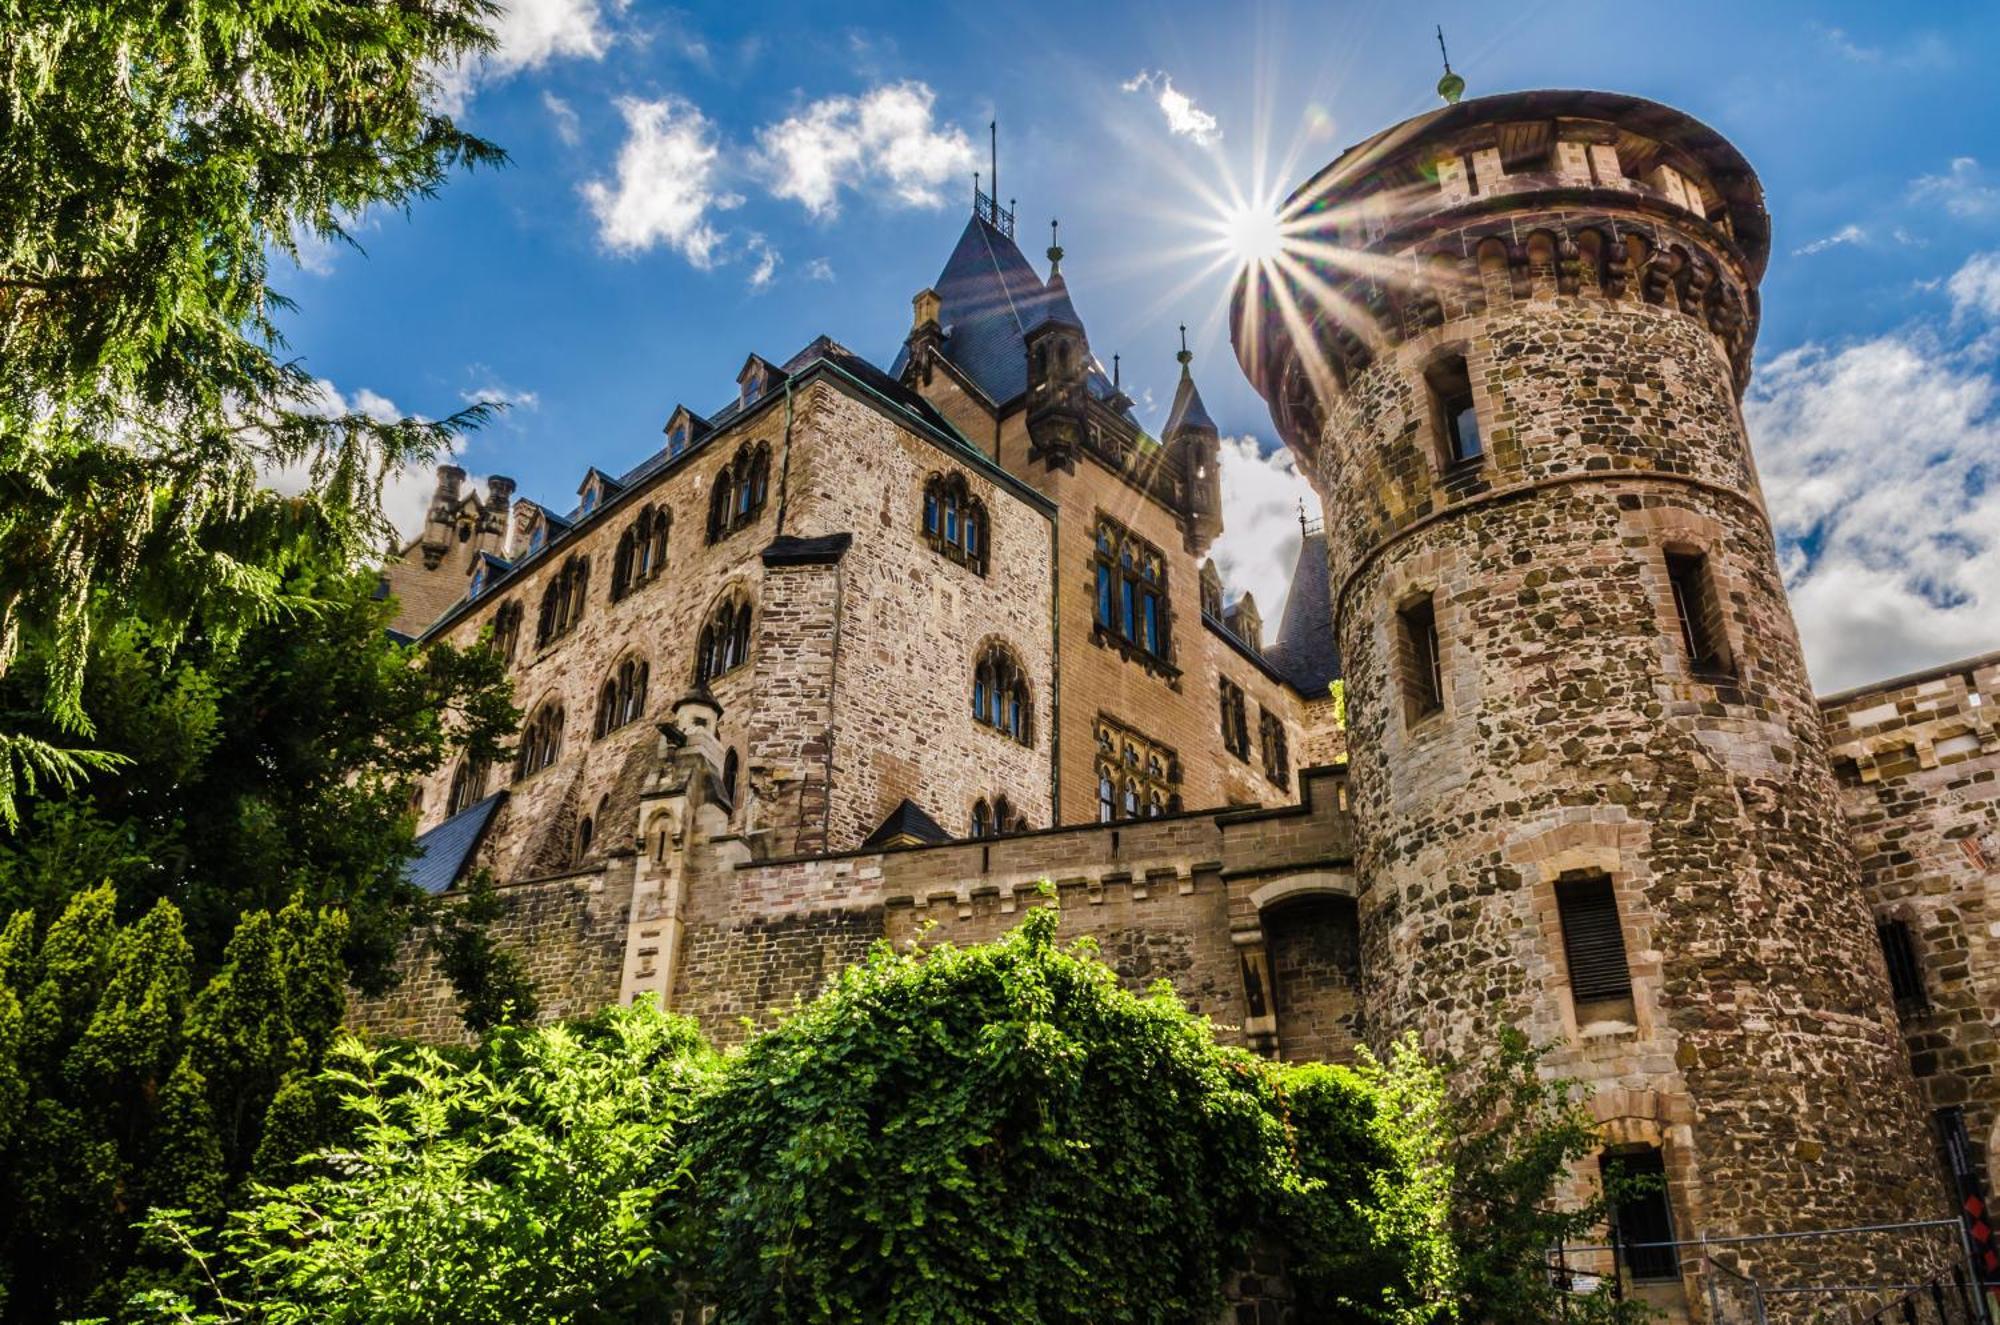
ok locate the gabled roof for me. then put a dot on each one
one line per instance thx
(1188, 411)
(907, 825)
(1305, 653)
(611, 484)
(443, 851)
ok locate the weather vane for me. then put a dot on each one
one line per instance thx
(1451, 87)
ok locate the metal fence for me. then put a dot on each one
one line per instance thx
(1917, 1273)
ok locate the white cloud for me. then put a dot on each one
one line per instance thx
(1880, 460)
(1975, 287)
(886, 138)
(528, 34)
(1847, 234)
(567, 127)
(1259, 545)
(1183, 116)
(766, 269)
(666, 185)
(495, 392)
(406, 492)
(1962, 190)
(819, 269)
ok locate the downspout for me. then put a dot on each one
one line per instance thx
(785, 460)
(1055, 671)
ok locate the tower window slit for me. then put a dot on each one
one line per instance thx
(1458, 420)
(1698, 610)
(1899, 952)
(1422, 661)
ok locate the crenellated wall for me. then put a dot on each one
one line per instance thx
(737, 942)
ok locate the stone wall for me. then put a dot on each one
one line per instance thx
(570, 932)
(1576, 735)
(1918, 763)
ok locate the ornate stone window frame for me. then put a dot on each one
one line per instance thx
(1144, 775)
(1129, 581)
(954, 521)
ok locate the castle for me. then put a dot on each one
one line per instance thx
(866, 653)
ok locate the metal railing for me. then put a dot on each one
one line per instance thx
(1921, 1272)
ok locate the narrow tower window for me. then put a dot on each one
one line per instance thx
(1422, 664)
(1458, 422)
(1699, 612)
(1644, 1220)
(1899, 950)
(1593, 942)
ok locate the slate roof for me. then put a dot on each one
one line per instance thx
(443, 851)
(1188, 411)
(1305, 653)
(907, 820)
(989, 300)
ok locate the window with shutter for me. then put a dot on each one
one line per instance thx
(1593, 944)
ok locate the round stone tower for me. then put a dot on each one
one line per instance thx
(1506, 343)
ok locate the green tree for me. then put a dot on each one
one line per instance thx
(538, 1179)
(122, 1087)
(995, 1133)
(269, 764)
(1510, 1139)
(152, 156)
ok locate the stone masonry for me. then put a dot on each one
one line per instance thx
(1581, 785)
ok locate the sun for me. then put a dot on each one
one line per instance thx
(1252, 233)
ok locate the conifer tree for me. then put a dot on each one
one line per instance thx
(152, 157)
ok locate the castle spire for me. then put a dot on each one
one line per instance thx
(1188, 412)
(1055, 251)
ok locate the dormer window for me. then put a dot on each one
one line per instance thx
(1457, 420)
(677, 439)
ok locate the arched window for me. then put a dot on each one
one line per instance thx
(741, 487)
(585, 831)
(622, 697)
(541, 741)
(507, 629)
(468, 785)
(1000, 697)
(725, 639)
(642, 551)
(1107, 803)
(991, 818)
(730, 767)
(562, 600)
(955, 521)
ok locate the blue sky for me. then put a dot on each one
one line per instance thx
(689, 185)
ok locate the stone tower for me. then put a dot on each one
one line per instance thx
(1591, 784)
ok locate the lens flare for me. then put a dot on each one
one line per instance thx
(1252, 233)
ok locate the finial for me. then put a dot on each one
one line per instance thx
(975, 192)
(1303, 531)
(1186, 356)
(1114, 372)
(1451, 87)
(993, 132)
(1055, 250)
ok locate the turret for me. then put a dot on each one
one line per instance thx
(1058, 374)
(1191, 436)
(1589, 777)
(441, 521)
